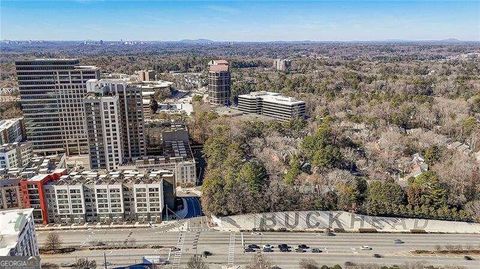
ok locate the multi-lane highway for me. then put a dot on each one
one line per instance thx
(228, 247)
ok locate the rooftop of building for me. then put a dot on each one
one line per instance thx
(48, 60)
(218, 68)
(11, 224)
(40, 177)
(5, 124)
(112, 177)
(37, 165)
(14, 145)
(272, 97)
(218, 62)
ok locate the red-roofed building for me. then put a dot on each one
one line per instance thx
(32, 193)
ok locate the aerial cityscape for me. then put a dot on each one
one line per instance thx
(239, 134)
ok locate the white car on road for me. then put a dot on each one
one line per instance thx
(365, 248)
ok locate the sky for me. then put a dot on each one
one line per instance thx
(157, 20)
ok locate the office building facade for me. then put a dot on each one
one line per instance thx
(114, 122)
(272, 105)
(282, 64)
(219, 88)
(52, 92)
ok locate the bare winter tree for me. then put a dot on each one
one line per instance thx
(308, 264)
(85, 264)
(259, 261)
(53, 242)
(196, 262)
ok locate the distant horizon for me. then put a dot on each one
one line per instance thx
(240, 21)
(453, 40)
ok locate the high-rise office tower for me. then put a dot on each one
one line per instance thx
(114, 122)
(52, 92)
(219, 83)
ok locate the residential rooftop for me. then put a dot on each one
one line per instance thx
(10, 146)
(112, 177)
(5, 124)
(11, 224)
(37, 165)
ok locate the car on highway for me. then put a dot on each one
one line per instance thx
(267, 249)
(329, 232)
(365, 248)
(316, 250)
(398, 241)
(249, 250)
(468, 258)
(377, 255)
(254, 246)
(207, 253)
(300, 250)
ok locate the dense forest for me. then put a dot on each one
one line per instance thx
(393, 129)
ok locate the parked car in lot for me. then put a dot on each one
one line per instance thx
(468, 258)
(249, 250)
(207, 253)
(316, 250)
(303, 246)
(398, 241)
(365, 248)
(254, 246)
(377, 255)
(284, 250)
(283, 246)
(267, 246)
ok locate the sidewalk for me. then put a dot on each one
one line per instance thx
(86, 226)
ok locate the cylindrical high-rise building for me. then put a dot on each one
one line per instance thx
(219, 83)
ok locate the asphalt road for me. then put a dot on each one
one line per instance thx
(194, 207)
(227, 247)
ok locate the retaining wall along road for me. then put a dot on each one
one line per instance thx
(350, 222)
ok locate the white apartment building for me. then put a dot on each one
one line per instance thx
(15, 155)
(271, 104)
(114, 122)
(114, 197)
(17, 233)
(104, 132)
(184, 169)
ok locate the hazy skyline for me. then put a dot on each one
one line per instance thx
(239, 21)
